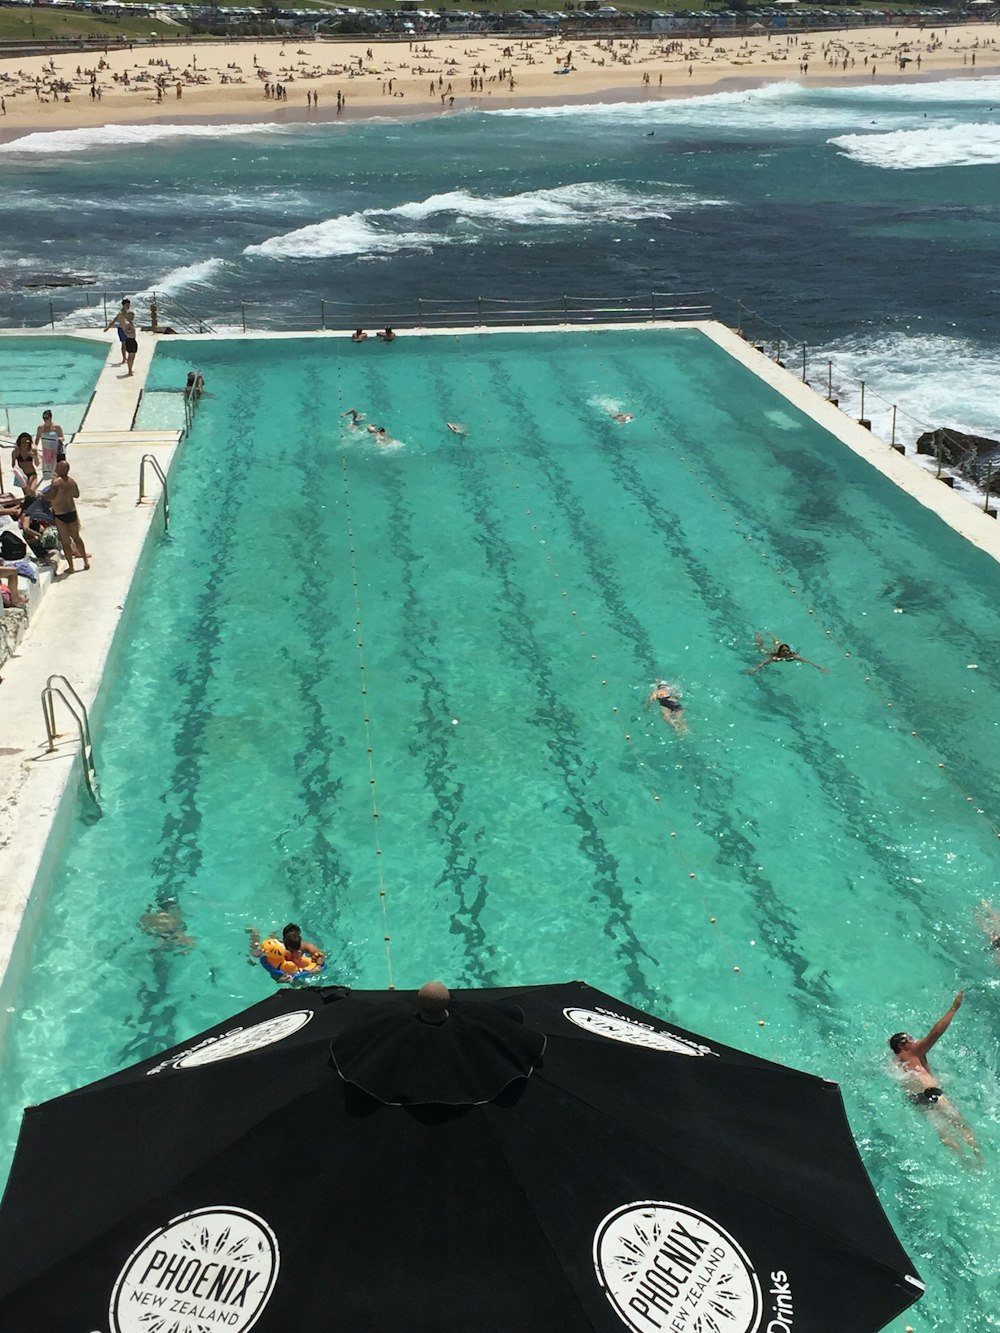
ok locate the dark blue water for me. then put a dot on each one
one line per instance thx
(865, 220)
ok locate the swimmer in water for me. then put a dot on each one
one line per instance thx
(297, 950)
(621, 417)
(457, 428)
(356, 417)
(779, 652)
(382, 436)
(987, 918)
(166, 925)
(910, 1056)
(671, 708)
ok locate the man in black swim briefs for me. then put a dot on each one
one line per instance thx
(62, 495)
(910, 1055)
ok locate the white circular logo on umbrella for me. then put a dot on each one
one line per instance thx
(663, 1266)
(238, 1042)
(213, 1268)
(635, 1034)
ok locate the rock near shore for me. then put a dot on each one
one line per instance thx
(971, 455)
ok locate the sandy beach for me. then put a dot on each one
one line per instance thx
(239, 80)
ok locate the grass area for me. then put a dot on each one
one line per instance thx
(27, 24)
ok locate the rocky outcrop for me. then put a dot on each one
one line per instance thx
(971, 455)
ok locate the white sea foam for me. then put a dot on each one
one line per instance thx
(785, 106)
(127, 136)
(986, 91)
(188, 275)
(934, 380)
(375, 231)
(349, 234)
(972, 145)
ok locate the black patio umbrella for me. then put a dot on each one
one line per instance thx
(516, 1161)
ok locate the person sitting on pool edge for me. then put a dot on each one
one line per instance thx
(910, 1055)
(671, 708)
(780, 652)
(297, 950)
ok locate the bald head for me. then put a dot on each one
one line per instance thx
(62, 468)
(433, 999)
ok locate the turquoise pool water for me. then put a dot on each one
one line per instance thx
(458, 635)
(36, 373)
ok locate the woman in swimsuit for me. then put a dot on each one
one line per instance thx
(671, 708)
(24, 457)
(780, 652)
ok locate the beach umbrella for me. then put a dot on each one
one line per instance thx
(518, 1161)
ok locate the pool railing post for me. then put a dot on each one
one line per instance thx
(777, 354)
(804, 381)
(565, 310)
(243, 315)
(892, 437)
(862, 419)
(753, 328)
(652, 306)
(322, 313)
(420, 312)
(105, 296)
(989, 482)
(52, 315)
(479, 309)
(739, 317)
(829, 381)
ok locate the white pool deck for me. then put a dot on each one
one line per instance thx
(73, 627)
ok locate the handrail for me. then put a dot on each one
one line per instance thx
(49, 694)
(151, 458)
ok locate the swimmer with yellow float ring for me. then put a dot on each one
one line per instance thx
(289, 959)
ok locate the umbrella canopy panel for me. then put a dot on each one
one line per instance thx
(637, 1177)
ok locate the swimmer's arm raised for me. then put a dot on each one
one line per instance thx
(939, 1029)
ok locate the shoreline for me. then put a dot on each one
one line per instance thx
(396, 82)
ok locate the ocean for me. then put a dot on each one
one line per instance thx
(864, 220)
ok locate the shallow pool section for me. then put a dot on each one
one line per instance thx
(398, 689)
(36, 373)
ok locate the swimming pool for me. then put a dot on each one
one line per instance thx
(420, 672)
(40, 372)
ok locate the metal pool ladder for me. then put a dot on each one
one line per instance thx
(79, 712)
(151, 458)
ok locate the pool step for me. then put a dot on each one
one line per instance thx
(148, 439)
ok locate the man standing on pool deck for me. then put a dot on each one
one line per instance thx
(63, 495)
(910, 1055)
(124, 316)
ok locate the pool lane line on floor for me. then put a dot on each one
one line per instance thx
(641, 767)
(773, 565)
(366, 714)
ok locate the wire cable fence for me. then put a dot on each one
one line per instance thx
(945, 448)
